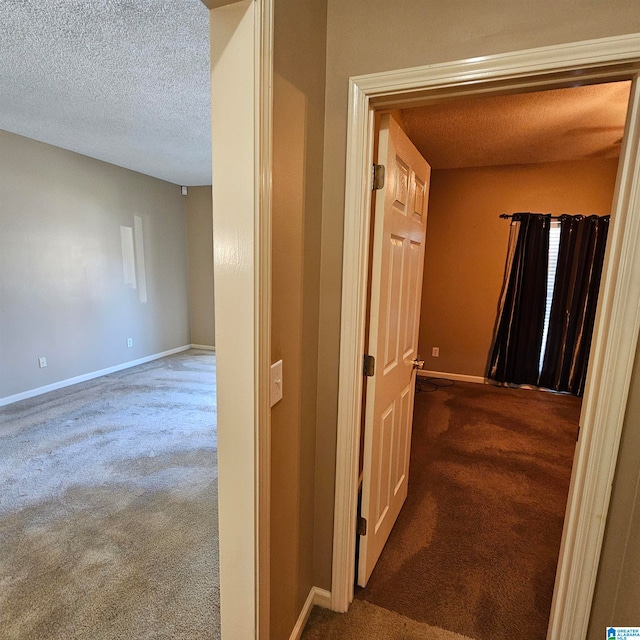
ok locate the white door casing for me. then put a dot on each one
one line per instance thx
(241, 87)
(617, 326)
(396, 290)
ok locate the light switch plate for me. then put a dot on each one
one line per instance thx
(276, 382)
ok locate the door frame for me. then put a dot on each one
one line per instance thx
(241, 127)
(617, 324)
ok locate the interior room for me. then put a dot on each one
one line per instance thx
(473, 552)
(304, 73)
(108, 486)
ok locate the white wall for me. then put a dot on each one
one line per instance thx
(62, 288)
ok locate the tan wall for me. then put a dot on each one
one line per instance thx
(366, 36)
(62, 288)
(467, 244)
(298, 122)
(617, 597)
(200, 258)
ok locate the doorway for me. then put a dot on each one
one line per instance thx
(608, 384)
(480, 453)
(79, 462)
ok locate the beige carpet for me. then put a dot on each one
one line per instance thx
(366, 621)
(475, 548)
(108, 518)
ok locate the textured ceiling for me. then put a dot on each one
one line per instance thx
(546, 126)
(125, 81)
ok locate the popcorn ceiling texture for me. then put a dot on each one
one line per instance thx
(127, 82)
(124, 81)
(579, 123)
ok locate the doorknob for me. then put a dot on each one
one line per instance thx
(418, 364)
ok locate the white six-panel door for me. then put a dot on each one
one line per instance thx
(396, 288)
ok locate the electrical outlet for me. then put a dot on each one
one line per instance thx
(435, 352)
(276, 382)
(42, 362)
(129, 342)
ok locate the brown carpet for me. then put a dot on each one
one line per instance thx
(108, 508)
(475, 548)
(366, 621)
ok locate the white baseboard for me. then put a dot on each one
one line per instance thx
(322, 598)
(203, 347)
(316, 596)
(88, 376)
(458, 377)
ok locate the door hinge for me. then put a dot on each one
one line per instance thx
(369, 368)
(378, 177)
(362, 526)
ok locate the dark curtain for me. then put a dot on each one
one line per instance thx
(515, 356)
(573, 309)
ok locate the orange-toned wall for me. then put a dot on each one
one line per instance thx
(467, 244)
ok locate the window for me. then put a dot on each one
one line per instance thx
(554, 246)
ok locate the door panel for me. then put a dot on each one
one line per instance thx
(412, 286)
(396, 287)
(394, 279)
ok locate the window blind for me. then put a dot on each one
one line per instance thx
(554, 247)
